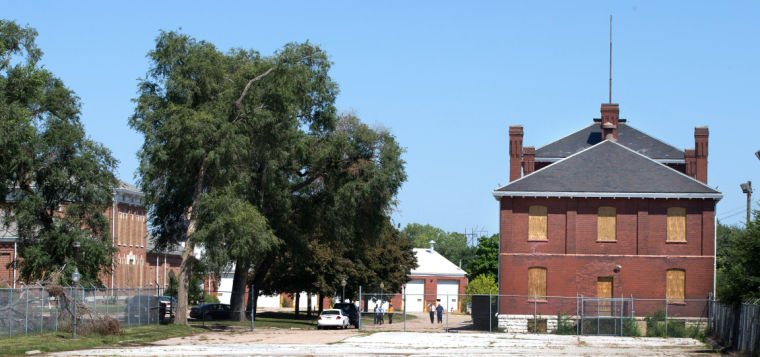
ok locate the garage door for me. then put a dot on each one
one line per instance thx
(415, 290)
(449, 289)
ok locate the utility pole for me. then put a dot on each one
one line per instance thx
(747, 189)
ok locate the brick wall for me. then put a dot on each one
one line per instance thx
(574, 259)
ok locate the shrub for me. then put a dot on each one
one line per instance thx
(656, 326)
(631, 328)
(208, 298)
(565, 325)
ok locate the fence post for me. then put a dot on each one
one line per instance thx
(597, 316)
(535, 323)
(10, 314)
(447, 312)
(42, 308)
(253, 299)
(577, 320)
(26, 312)
(139, 308)
(75, 313)
(666, 317)
(404, 291)
(360, 308)
(582, 313)
(489, 310)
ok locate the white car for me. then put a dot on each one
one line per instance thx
(332, 318)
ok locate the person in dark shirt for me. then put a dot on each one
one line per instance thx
(439, 309)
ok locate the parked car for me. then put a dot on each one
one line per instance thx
(168, 304)
(349, 310)
(142, 309)
(211, 311)
(332, 318)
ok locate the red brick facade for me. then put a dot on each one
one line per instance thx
(575, 259)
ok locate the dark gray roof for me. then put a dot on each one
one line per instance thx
(627, 136)
(608, 169)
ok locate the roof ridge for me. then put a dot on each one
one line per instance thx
(557, 162)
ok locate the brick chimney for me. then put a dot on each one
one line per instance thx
(610, 121)
(515, 151)
(529, 159)
(701, 134)
(691, 162)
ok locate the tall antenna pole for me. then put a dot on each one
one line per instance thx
(610, 100)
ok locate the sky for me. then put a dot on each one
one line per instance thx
(448, 78)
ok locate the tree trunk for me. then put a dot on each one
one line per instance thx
(239, 282)
(185, 268)
(298, 302)
(321, 303)
(258, 278)
(308, 304)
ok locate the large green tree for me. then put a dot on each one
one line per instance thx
(451, 245)
(738, 263)
(486, 261)
(240, 152)
(55, 182)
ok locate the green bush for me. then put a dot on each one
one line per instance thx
(656, 327)
(631, 328)
(565, 325)
(208, 298)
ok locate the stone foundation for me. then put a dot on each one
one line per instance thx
(519, 323)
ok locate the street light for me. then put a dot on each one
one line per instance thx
(747, 189)
(343, 296)
(75, 277)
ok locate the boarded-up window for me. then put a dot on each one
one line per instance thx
(537, 283)
(604, 291)
(537, 223)
(676, 224)
(606, 224)
(675, 285)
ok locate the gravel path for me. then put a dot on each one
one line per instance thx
(298, 343)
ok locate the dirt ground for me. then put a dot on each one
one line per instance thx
(389, 339)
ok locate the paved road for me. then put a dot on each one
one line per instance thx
(431, 344)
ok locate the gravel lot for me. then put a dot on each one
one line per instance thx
(281, 342)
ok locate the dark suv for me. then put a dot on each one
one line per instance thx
(349, 310)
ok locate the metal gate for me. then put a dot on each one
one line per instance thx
(603, 316)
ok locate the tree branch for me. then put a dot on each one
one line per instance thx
(239, 101)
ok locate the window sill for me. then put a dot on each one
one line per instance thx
(538, 240)
(676, 303)
(606, 241)
(675, 242)
(538, 301)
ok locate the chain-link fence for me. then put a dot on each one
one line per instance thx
(37, 309)
(737, 326)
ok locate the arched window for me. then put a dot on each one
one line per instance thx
(676, 224)
(606, 224)
(537, 223)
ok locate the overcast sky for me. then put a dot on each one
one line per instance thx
(448, 78)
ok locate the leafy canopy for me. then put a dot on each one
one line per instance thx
(55, 182)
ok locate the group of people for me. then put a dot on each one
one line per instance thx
(433, 310)
(380, 314)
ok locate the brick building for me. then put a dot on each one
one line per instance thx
(607, 211)
(435, 280)
(135, 264)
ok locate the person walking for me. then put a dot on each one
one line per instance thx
(375, 314)
(381, 313)
(390, 314)
(431, 310)
(439, 309)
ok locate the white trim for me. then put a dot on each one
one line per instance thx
(662, 161)
(715, 196)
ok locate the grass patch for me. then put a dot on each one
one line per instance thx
(59, 341)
